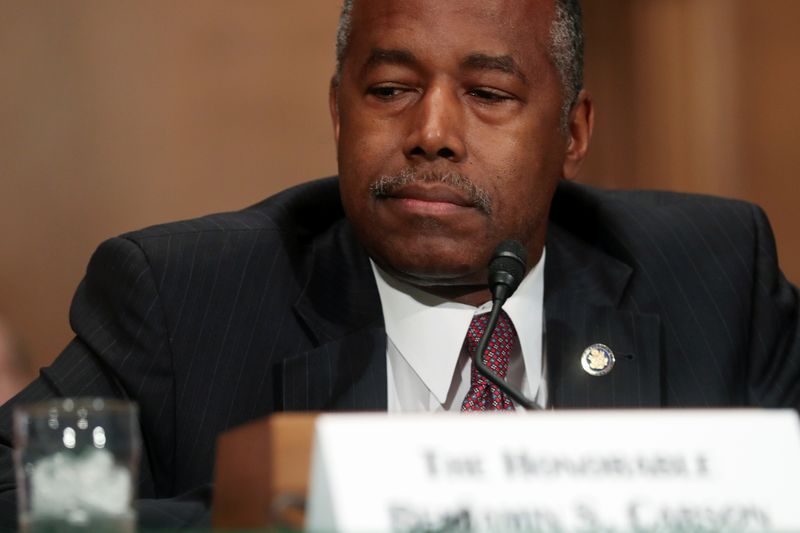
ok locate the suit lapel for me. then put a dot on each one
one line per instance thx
(341, 308)
(583, 293)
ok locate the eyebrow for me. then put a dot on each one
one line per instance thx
(504, 63)
(383, 56)
(476, 61)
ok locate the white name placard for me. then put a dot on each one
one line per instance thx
(612, 471)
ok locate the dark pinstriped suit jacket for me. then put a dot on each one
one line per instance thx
(212, 322)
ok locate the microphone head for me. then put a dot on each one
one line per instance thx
(507, 268)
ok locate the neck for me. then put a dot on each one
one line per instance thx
(474, 295)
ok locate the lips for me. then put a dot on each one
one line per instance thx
(435, 194)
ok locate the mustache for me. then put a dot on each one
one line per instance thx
(385, 185)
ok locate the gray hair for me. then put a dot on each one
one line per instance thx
(566, 48)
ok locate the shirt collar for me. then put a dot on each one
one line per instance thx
(429, 331)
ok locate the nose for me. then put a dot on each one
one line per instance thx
(437, 127)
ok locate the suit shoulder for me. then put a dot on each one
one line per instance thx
(644, 199)
(303, 210)
(269, 244)
(590, 204)
(632, 223)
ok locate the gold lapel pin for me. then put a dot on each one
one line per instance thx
(597, 360)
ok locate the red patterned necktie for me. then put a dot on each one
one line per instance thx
(484, 395)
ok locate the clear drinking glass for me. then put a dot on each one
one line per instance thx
(76, 462)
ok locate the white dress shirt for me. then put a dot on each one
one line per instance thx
(428, 368)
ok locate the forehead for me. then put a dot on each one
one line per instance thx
(518, 27)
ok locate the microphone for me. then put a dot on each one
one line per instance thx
(506, 270)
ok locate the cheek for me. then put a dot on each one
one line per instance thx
(522, 184)
(366, 148)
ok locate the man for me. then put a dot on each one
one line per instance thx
(458, 125)
(14, 366)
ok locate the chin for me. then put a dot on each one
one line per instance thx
(432, 265)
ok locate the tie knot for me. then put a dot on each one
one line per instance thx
(500, 345)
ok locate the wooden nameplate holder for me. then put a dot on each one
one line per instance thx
(261, 473)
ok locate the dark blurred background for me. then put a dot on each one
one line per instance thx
(116, 115)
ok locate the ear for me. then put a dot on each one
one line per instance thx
(581, 124)
(333, 102)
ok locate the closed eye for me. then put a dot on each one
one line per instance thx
(490, 96)
(387, 92)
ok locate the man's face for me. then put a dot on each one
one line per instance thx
(449, 138)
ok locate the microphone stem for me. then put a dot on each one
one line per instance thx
(477, 359)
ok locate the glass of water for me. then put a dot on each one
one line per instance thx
(76, 462)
